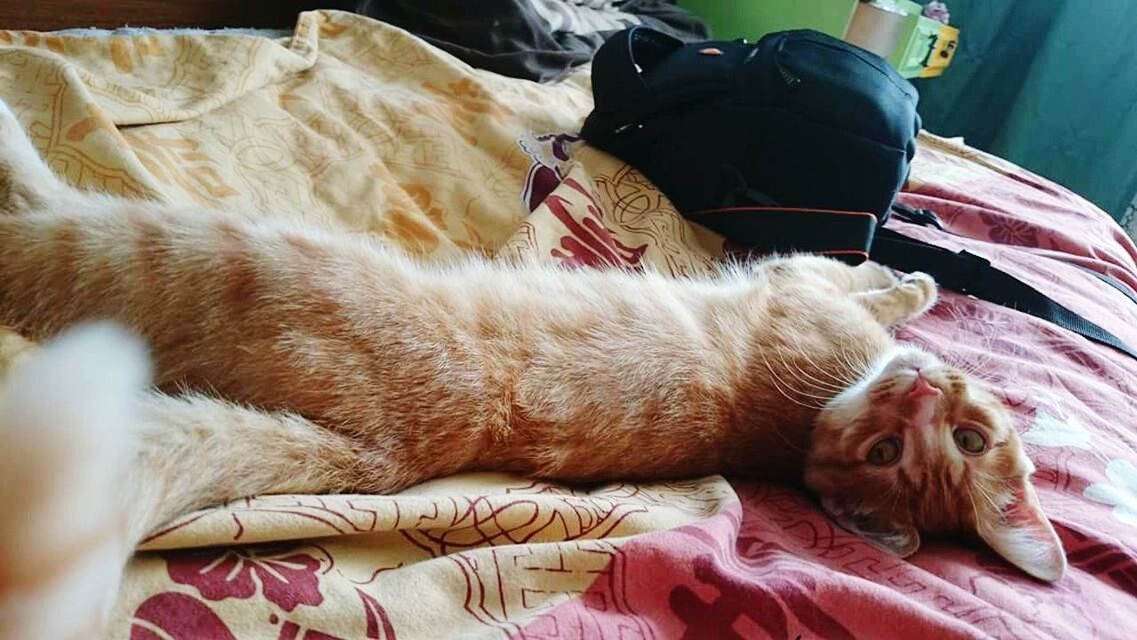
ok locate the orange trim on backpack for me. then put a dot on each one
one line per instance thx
(790, 209)
(846, 252)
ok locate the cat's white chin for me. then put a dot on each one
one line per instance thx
(846, 406)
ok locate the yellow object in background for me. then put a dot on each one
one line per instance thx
(943, 52)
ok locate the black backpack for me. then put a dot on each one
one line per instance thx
(797, 143)
(793, 128)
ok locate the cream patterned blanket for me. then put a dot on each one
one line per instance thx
(363, 128)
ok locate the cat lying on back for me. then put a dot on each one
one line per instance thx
(371, 372)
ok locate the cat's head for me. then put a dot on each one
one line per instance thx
(917, 447)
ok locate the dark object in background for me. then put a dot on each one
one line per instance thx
(538, 40)
(799, 142)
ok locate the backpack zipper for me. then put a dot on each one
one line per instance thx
(790, 79)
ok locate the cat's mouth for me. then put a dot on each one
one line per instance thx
(922, 387)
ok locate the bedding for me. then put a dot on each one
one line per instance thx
(361, 127)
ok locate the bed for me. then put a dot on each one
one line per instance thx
(362, 127)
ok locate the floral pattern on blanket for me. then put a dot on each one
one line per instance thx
(360, 127)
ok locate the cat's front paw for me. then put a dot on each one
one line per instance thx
(922, 290)
(873, 275)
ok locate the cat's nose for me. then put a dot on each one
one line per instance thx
(921, 388)
(923, 400)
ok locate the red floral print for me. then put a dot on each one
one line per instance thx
(177, 616)
(590, 243)
(285, 577)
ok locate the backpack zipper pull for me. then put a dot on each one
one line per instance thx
(790, 79)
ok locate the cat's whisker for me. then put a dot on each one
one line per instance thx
(805, 394)
(836, 380)
(862, 362)
(859, 367)
(971, 501)
(775, 373)
(988, 498)
(778, 382)
(843, 356)
(851, 371)
(895, 493)
(974, 370)
(981, 377)
(808, 383)
(805, 377)
(985, 359)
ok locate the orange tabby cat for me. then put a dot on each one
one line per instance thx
(371, 371)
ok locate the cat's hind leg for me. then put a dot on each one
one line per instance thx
(196, 452)
(26, 182)
(90, 464)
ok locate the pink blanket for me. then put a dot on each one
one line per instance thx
(774, 567)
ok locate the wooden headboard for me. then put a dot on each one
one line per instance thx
(50, 15)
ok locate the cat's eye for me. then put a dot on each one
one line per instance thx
(885, 452)
(970, 440)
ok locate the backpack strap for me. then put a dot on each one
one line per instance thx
(762, 230)
(973, 275)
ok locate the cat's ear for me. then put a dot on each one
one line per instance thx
(899, 539)
(1023, 535)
